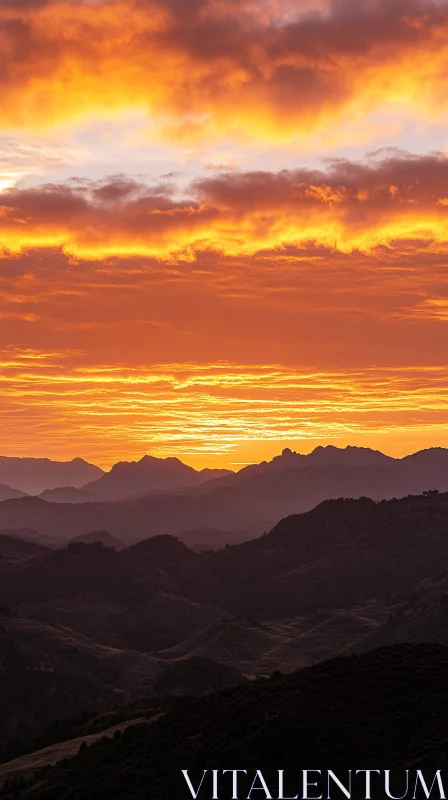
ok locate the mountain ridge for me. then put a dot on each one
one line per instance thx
(9, 493)
(250, 505)
(133, 478)
(35, 475)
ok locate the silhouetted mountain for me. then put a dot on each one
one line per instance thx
(166, 553)
(68, 494)
(337, 715)
(134, 520)
(7, 493)
(102, 537)
(81, 568)
(211, 538)
(13, 549)
(144, 598)
(320, 456)
(129, 479)
(340, 554)
(189, 575)
(254, 503)
(26, 535)
(34, 475)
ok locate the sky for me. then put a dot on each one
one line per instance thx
(223, 227)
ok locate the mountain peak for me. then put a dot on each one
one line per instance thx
(147, 459)
(131, 479)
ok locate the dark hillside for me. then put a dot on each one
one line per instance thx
(340, 714)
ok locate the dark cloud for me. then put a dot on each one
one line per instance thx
(228, 60)
(399, 197)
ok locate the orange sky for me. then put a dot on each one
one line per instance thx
(223, 227)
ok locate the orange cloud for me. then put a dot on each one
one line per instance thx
(210, 412)
(300, 307)
(221, 67)
(348, 207)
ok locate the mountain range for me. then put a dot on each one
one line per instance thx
(238, 506)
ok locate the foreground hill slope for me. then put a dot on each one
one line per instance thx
(313, 717)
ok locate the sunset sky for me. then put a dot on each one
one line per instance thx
(223, 227)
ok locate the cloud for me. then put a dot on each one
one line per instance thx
(222, 67)
(349, 206)
(209, 411)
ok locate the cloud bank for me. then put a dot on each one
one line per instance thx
(256, 70)
(347, 207)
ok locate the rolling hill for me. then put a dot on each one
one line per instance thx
(342, 556)
(89, 627)
(342, 553)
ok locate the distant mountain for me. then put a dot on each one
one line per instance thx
(34, 475)
(320, 456)
(27, 535)
(242, 502)
(327, 456)
(129, 479)
(211, 538)
(102, 537)
(7, 493)
(68, 494)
